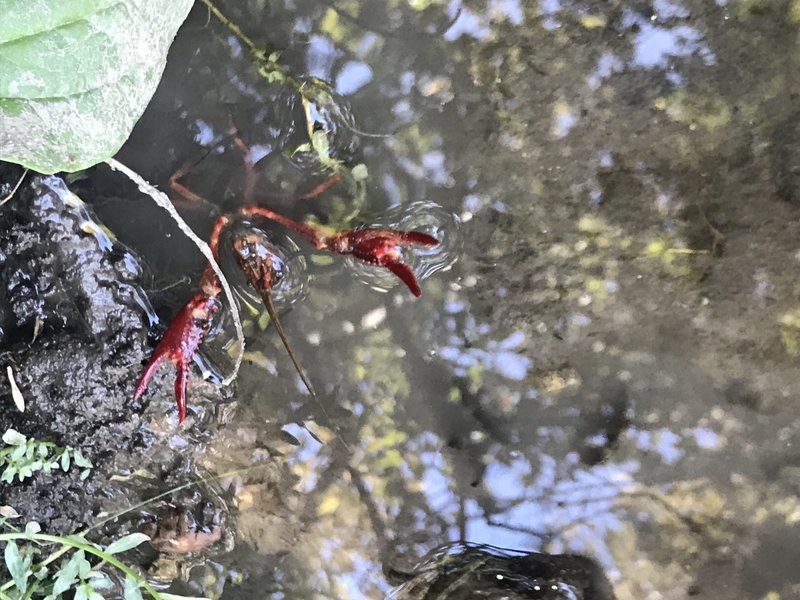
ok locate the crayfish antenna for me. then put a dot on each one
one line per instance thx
(266, 297)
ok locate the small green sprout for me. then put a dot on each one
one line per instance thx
(23, 457)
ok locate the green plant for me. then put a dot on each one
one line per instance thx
(82, 566)
(82, 573)
(75, 76)
(25, 456)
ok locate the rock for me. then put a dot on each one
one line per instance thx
(74, 331)
(479, 571)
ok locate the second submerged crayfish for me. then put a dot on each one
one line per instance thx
(381, 247)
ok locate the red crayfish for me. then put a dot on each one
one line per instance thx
(185, 334)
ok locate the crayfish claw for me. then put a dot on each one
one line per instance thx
(180, 343)
(383, 247)
(417, 237)
(406, 275)
(147, 375)
(181, 378)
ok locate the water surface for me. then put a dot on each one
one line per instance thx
(609, 368)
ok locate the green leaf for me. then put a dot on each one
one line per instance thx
(321, 144)
(100, 581)
(82, 593)
(18, 452)
(132, 591)
(17, 566)
(24, 472)
(8, 512)
(32, 527)
(65, 461)
(360, 172)
(127, 543)
(76, 75)
(8, 474)
(67, 575)
(84, 568)
(82, 461)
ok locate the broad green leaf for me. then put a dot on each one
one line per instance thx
(84, 568)
(132, 591)
(76, 75)
(67, 575)
(17, 566)
(126, 543)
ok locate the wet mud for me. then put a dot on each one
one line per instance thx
(75, 323)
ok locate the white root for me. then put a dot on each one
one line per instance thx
(163, 201)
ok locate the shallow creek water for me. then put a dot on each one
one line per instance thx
(609, 366)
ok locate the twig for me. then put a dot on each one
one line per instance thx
(163, 201)
(258, 52)
(16, 187)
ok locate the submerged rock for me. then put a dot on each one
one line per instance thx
(480, 571)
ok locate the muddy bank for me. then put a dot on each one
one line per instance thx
(75, 324)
